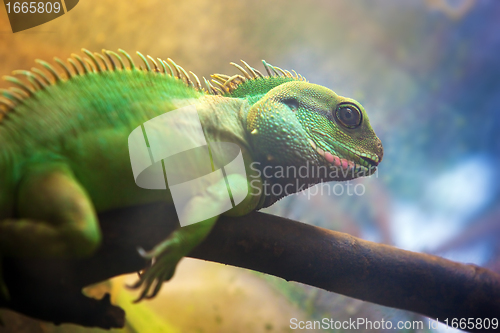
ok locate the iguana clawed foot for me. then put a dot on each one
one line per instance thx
(162, 269)
(166, 255)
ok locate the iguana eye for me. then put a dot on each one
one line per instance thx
(348, 115)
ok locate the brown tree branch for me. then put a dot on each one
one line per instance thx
(429, 285)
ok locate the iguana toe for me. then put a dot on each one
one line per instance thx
(153, 276)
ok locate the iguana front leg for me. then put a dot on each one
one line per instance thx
(54, 217)
(168, 253)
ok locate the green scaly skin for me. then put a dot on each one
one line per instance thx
(64, 155)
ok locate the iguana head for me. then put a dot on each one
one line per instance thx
(300, 118)
(296, 124)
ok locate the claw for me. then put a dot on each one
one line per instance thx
(159, 283)
(162, 261)
(149, 255)
(144, 291)
(151, 281)
(155, 290)
(142, 277)
(143, 253)
(137, 284)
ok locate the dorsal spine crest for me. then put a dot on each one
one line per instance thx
(78, 66)
(250, 84)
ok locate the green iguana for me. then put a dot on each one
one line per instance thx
(64, 152)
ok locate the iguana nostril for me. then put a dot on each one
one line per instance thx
(380, 149)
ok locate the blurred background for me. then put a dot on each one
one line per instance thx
(428, 74)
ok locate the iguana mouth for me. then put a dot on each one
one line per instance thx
(369, 161)
(367, 164)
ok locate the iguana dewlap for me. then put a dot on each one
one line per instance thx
(64, 152)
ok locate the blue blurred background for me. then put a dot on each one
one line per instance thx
(428, 74)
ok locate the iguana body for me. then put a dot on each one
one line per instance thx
(64, 154)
